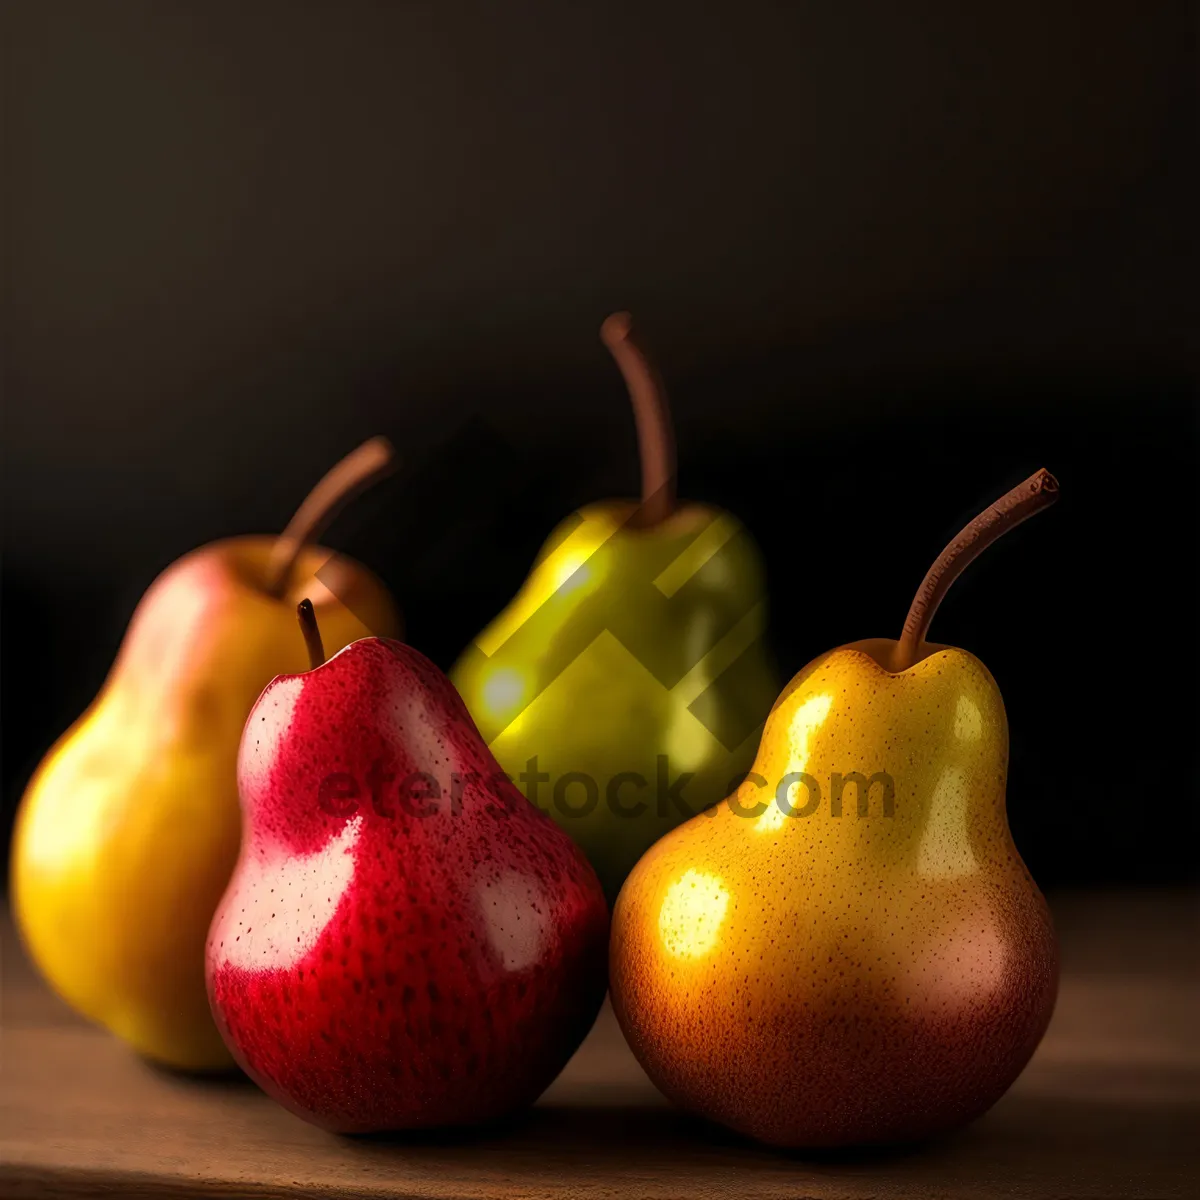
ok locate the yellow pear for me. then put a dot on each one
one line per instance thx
(127, 833)
(850, 949)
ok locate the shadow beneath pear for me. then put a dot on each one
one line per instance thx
(566, 1127)
(506, 1129)
(635, 1128)
(881, 1154)
(231, 1078)
(1068, 1141)
(577, 1134)
(709, 1133)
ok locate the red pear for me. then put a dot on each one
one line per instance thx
(406, 941)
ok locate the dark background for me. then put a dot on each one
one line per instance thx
(891, 258)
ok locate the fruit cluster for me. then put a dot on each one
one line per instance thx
(322, 869)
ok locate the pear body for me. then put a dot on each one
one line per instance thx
(830, 978)
(406, 942)
(625, 686)
(128, 830)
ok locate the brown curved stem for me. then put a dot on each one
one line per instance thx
(347, 479)
(1037, 492)
(656, 438)
(311, 631)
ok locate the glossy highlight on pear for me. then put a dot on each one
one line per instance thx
(127, 833)
(406, 942)
(851, 950)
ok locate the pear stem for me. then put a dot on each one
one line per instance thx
(311, 631)
(656, 438)
(1039, 491)
(347, 479)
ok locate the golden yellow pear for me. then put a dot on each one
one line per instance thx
(127, 833)
(850, 949)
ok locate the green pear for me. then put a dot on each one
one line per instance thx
(625, 686)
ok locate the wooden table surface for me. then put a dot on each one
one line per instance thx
(1110, 1106)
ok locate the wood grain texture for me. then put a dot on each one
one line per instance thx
(1110, 1107)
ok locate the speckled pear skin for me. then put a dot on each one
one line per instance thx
(820, 980)
(389, 959)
